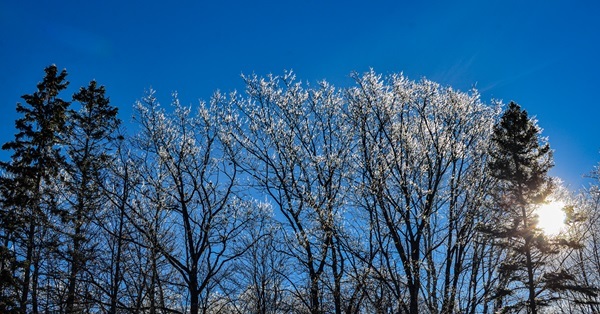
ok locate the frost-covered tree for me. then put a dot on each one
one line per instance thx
(190, 212)
(115, 273)
(583, 221)
(257, 281)
(296, 145)
(420, 163)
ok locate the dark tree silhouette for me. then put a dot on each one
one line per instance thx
(391, 196)
(520, 160)
(91, 130)
(35, 161)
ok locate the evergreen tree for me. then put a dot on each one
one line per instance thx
(35, 161)
(91, 130)
(9, 282)
(519, 161)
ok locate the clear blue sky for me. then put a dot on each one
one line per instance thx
(545, 55)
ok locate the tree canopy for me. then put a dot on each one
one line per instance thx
(387, 196)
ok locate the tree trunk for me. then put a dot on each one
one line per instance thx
(530, 281)
(194, 302)
(29, 261)
(75, 268)
(117, 267)
(314, 295)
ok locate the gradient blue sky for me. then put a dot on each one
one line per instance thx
(542, 54)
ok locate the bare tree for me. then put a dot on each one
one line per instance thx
(583, 222)
(121, 275)
(421, 182)
(297, 148)
(189, 183)
(257, 281)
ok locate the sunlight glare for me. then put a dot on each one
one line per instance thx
(551, 217)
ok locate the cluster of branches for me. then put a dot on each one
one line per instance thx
(390, 196)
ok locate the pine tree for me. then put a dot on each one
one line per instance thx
(9, 282)
(520, 160)
(91, 130)
(36, 159)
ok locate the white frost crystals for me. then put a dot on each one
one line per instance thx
(378, 188)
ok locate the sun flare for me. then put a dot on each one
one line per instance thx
(551, 217)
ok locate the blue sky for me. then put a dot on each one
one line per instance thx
(542, 54)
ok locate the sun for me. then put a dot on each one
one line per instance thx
(551, 217)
